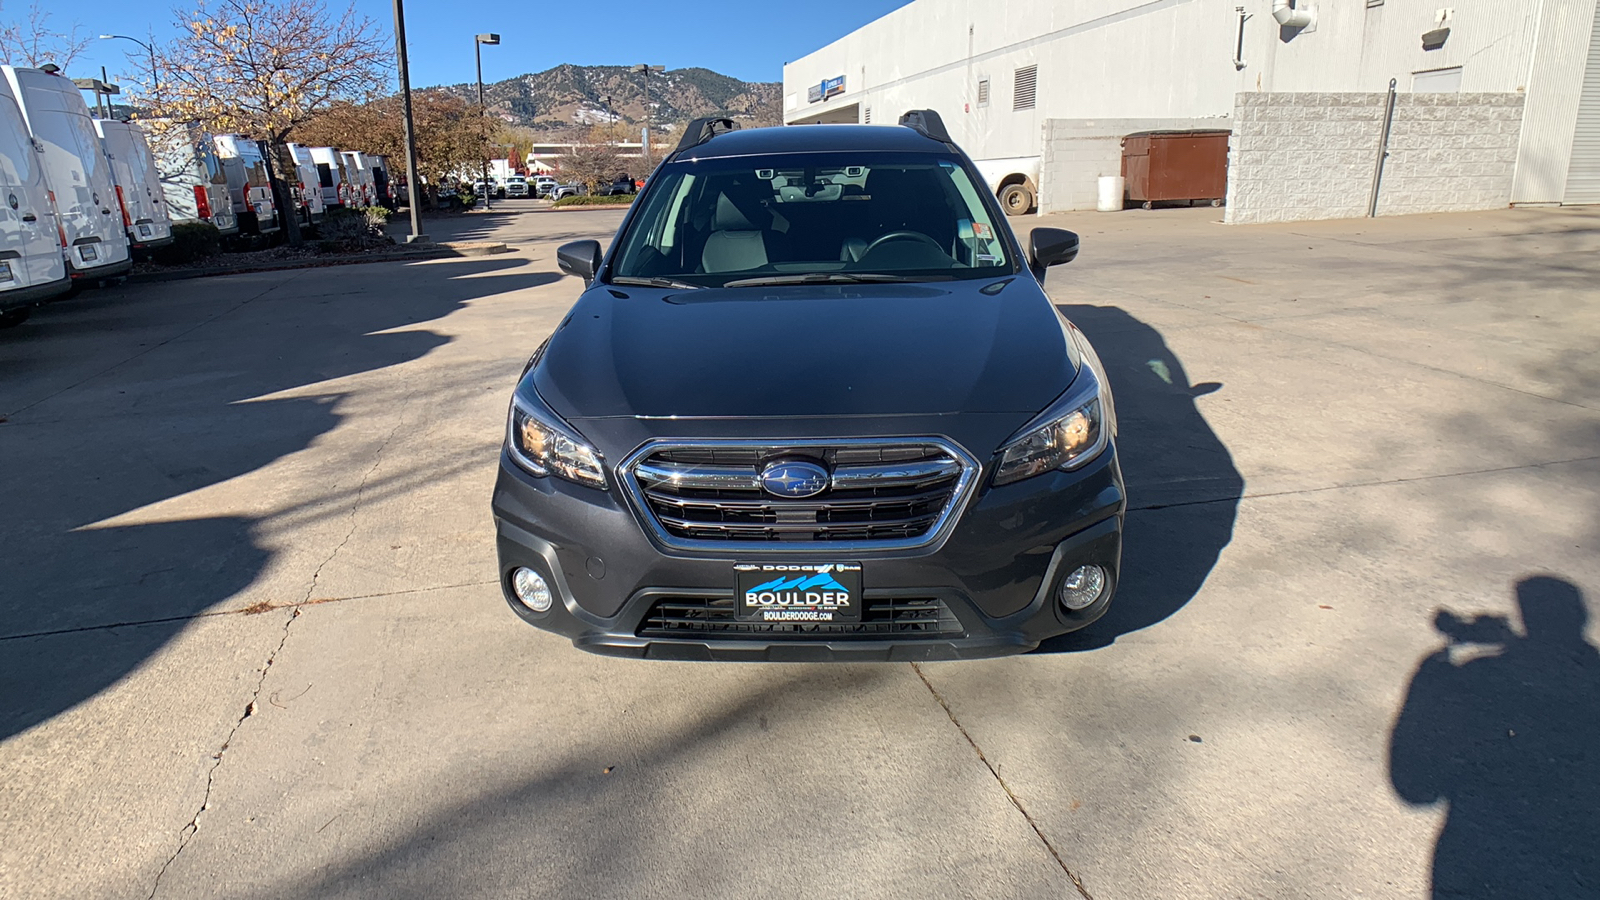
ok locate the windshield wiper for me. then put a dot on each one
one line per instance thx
(656, 282)
(831, 278)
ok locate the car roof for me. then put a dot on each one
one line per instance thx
(813, 139)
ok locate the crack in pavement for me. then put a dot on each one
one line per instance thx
(243, 611)
(1410, 479)
(361, 492)
(187, 833)
(1010, 795)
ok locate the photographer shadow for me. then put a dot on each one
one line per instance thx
(1503, 728)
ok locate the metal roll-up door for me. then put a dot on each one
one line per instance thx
(1583, 175)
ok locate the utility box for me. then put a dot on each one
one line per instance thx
(1176, 165)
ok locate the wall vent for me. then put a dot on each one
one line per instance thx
(866, 115)
(1027, 83)
(983, 92)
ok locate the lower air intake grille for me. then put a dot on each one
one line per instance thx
(899, 617)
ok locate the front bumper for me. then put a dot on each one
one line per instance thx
(995, 575)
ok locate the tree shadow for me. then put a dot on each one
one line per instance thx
(1183, 489)
(1502, 727)
(86, 598)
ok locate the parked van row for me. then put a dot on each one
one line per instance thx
(66, 216)
(79, 196)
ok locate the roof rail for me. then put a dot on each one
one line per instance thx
(701, 130)
(927, 123)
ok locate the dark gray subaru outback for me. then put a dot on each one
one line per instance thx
(813, 405)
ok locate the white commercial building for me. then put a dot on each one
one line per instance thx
(1499, 100)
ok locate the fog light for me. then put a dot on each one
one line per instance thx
(531, 589)
(1082, 586)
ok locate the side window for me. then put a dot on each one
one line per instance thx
(978, 244)
(665, 232)
(658, 225)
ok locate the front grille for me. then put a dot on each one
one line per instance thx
(884, 494)
(897, 617)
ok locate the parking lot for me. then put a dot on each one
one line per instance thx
(252, 644)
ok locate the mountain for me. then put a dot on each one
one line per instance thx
(570, 95)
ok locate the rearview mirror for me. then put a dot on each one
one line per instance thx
(1051, 247)
(580, 258)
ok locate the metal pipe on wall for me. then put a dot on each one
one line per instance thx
(1238, 50)
(1383, 152)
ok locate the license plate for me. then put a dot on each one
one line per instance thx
(88, 252)
(799, 592)
(144, 231)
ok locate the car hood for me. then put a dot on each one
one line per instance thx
(806, 351)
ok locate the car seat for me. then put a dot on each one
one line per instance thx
(736, 244)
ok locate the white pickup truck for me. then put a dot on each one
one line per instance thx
(1013, 179)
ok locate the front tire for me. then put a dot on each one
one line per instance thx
(1016, 199)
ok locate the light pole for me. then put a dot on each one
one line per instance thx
(413, 189)
(483, 110)
(155, 79)
(644, 73)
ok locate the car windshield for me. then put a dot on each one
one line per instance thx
(817, 217)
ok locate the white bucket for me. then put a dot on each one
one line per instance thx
(1111, 188)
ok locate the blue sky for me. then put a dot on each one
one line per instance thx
(747, 40)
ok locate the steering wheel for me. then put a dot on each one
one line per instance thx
(902, 236)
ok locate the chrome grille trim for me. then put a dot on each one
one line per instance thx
(782, 521)
(894, 474)
(703, 477)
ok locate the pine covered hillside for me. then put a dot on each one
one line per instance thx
(573, 95)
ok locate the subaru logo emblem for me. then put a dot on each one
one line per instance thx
(794, 478)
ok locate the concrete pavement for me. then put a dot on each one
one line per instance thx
(252, 644)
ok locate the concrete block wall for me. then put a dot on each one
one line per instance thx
(1299, 156)
(1078, 151)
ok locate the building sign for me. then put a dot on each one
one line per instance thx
(829, 88)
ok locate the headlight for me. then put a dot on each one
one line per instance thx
(1069, 434)
(544, 445)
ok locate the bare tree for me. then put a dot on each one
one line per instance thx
(263, 67)
(33, 42)
(591, 164)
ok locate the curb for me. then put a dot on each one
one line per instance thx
(589, 207)
(440, 251)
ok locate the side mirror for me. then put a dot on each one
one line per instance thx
(580, 258)
(1051, 247)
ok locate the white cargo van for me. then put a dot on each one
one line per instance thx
(336, 183)
(383, 192)
(248, 184)
(33, 268)
(313, 205)
(365, 191)
(133, 171)
(196, 188)
(76, 171)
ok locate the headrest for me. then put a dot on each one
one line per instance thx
(729, 218)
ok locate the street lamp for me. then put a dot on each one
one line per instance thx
(644, 71)
(155, 79)
(413, 189)
(483, 111)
